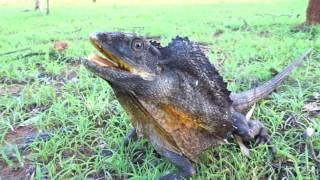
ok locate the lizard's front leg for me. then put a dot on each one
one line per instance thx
(131, 136)
(182, 163)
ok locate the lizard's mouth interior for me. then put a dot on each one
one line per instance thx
(109, 60)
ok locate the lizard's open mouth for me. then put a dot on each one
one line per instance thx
(109, 60)
(112, 60)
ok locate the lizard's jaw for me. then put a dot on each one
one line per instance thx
(117, 64)
(112, 60)
(109, 60)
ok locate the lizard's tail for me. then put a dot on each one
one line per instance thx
(247, 98)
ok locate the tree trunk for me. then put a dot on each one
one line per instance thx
(48, 7)
(313, 12)
(37, 5)
(94, 1)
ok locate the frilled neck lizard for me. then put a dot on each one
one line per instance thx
(175, 97)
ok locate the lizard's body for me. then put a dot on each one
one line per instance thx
(175, 97)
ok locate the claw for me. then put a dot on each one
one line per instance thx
(259, 140)
(264, 138)
(106, 152)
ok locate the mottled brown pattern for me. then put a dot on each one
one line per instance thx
(146, 121)
(168, 128)
(191, 138)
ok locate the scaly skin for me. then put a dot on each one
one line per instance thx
(173, 95)
(247, 98)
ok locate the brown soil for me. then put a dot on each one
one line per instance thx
(13, 89)
(16, 172)
(7, 173)
(313, 12)
(13, 137)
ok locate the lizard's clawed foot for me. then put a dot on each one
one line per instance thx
(258, 132)
(250, 130)
(262, 137)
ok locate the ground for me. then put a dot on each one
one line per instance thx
(247, 42)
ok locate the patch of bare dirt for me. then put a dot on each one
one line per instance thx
(282, 167)
(291, 121)
(60, 45)
(8, 81)
(7, 173)
(12, 86)
(16, 136)
(13, 89)
(68, 74)
(312, 105)
(265, 34)
(218, 33)
(313, 109)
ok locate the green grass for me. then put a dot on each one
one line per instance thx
(256, 38)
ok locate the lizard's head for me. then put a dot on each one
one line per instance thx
(125, 57)
(136, 64)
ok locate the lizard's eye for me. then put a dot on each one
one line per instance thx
(137, 44)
